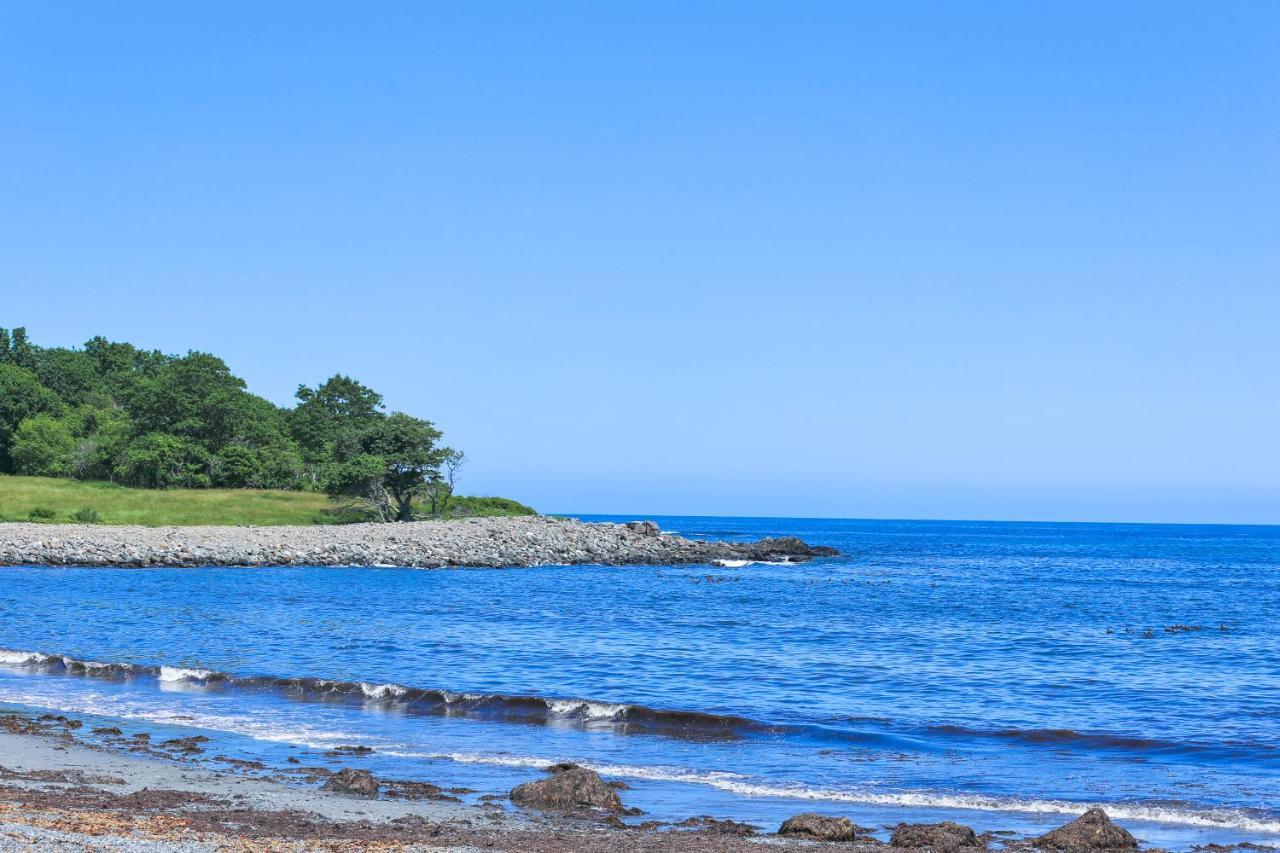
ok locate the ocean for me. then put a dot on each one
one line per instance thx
(1004, 675)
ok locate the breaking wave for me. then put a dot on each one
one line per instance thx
(620, 718)
(743, 785)
(627, 718)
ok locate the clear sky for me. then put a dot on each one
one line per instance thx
(947, 260)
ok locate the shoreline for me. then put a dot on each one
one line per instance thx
(512, 541)
(59, 790)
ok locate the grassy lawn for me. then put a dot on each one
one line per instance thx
(121, 505)
(60, 501)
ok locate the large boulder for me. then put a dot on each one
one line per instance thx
(945, 837)
(644, 528)
(1093, 830)
(359, 783)
(819, 826)
(567, 791)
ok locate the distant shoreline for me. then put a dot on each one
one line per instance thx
(481, 542)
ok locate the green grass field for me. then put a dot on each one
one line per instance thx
(20, 496)
(73, 501)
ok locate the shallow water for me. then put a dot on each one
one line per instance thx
(999, 673)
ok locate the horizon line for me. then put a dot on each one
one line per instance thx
(642, 516)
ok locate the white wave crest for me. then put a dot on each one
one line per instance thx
(13, 657)
(743, 785)
(88, 665)
(450, 697)
(583, 710)
(382, 691)
(179, 673)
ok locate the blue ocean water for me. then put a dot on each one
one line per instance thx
(1002, 674)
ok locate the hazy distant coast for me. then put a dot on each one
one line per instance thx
(518, 541)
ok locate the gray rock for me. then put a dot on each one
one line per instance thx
(520, 541)
(945, 837)
(821, 827)
(359, 783)
(567, 791)
(1093, 830)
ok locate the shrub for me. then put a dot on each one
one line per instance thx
(42, 513)
(86, 515)
(162, 461)
(43, 447)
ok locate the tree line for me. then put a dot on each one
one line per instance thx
(112, 411)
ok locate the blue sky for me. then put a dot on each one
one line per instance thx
(946, 260)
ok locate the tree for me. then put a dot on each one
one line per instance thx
(121, 365)
(72, 375)
(362, 477)
(195, 397)
(101, 443)
(388, 462)
(21, 352)
(21, 397)
(150, 419)
(441, 486)
(340, 404)
(161, 461)
(43, 446)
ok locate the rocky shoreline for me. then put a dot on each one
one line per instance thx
(478, 542)
(61, 789)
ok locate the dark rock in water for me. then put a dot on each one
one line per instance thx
(1093, 830)
(644, 528)
(358, 783)
(706, 823)
(618, 785)
(107, 730)
(561, 767)
(241, 763)
(943, 837)
(185, 745)
(821, 827)
(568, 790)
(409, 790)
(787, 548)
(347, 749)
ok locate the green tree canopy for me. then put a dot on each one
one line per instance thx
(21, 396)
(340, 404)
(43, 446)
(143, 418)
(389, 462)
